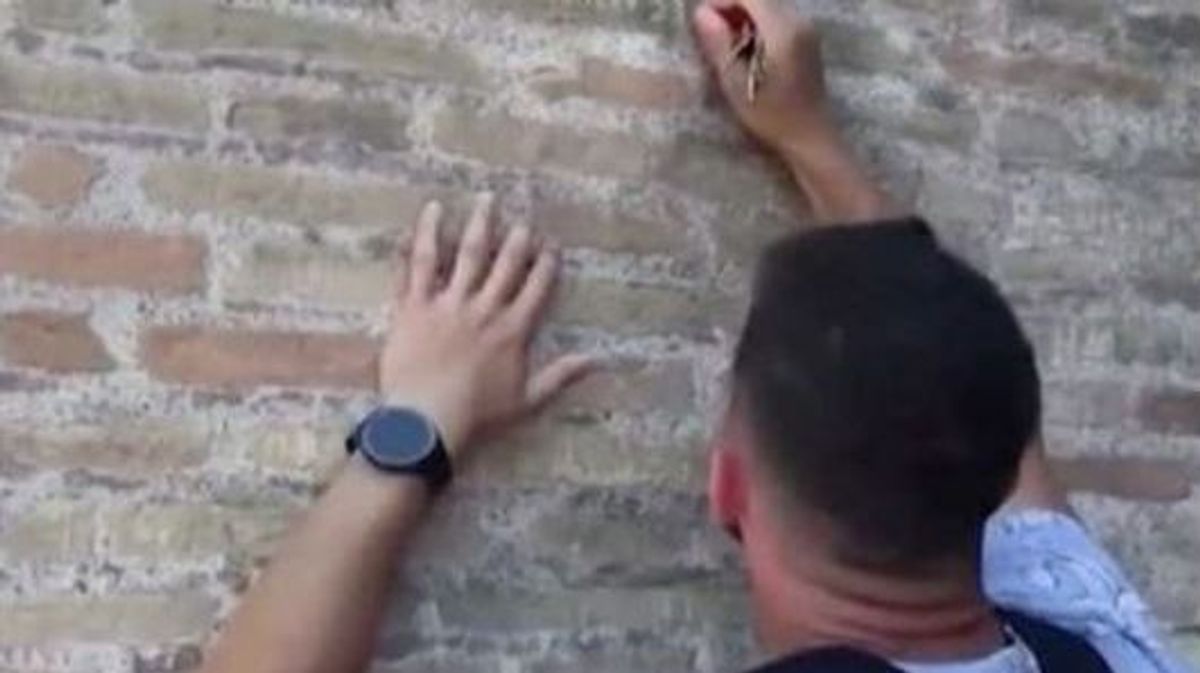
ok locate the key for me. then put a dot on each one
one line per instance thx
(743, 48)
(758, 70)
(747, 48)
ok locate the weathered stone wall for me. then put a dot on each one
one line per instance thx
(199, 198)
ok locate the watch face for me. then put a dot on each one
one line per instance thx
(398, 437)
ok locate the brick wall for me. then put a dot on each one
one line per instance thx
(196, 211)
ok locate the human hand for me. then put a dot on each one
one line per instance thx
(790, 107)
(458, 351)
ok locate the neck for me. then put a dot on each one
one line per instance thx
(818, 603)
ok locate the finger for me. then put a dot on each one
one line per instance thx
(510, 268)
(714, 35)
(773, 22)
(777, 23)
(531, 301)
(400, 272)
(557, 377)
(759, 12)
(423, 263)
(719, 43)
(720, 24)
(474, 249)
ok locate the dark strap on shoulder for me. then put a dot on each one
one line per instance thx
(830, 660)
(1056, 648)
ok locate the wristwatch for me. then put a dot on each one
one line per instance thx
(398, 440)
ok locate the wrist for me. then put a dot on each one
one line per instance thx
(814, 149)
(837, 186)
(382, 492)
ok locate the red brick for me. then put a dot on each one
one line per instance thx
(212, 357)
(1128, 478)
(53, 177)
(92, 258)
(56, 342)
(1051, 76)
(604, 80)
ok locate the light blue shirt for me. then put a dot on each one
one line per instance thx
(1045, 565)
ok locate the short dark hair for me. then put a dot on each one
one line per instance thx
(890, 388)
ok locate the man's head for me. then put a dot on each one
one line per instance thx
(883, 393)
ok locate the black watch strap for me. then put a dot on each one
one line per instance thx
(436, 468)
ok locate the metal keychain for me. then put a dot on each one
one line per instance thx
(751, 50)
(758, 70)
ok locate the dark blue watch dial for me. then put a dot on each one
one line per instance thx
(398, 437)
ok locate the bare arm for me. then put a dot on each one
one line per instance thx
(456, 351)
(318, 607)
(1037, 487)
(791, 116)
(837, 186)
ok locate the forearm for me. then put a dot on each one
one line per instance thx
(318, 607)
(837, 186)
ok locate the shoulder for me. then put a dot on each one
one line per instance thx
(1045, 564)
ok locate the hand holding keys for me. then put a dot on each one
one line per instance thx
(767, 62)
(747, 48)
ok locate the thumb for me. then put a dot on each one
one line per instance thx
(714, 35)
(555, 378)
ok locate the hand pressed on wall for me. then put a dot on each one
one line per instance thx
(458, 349)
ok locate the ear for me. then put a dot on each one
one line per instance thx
(727, 488)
